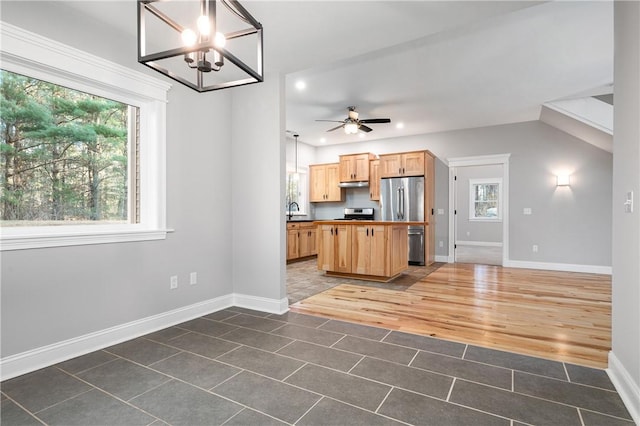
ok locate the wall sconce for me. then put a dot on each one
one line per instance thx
(563, 180)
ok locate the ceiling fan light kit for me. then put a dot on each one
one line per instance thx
(188, 41)
(352, 124)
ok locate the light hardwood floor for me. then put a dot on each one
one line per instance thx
(556, 315)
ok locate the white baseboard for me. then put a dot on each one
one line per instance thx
(444, 259)
(25, 362)
(628, 390)
(479, 243)
(263, 304)
(566, 267)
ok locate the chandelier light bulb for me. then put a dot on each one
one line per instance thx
(189, 37)
(204, 25)
(219, 40)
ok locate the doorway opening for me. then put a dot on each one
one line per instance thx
(478, 209)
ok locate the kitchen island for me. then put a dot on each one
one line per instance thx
(363, 249)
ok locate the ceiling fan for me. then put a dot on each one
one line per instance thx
(352, 123)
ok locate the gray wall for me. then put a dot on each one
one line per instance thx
(626, 226)
(570, 225)
(49, 295)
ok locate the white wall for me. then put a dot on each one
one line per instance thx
(50, 295)
(624, 360)
(569, 225)
(258, 181)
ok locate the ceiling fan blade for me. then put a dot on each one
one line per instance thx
(364, 128)
(332, 121)
(376, 120)
(336, 128)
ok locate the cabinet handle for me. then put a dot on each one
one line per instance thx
(336, 231)
(399, 170)
(331, 230)
(403, 170)
(372, 232)
(367, 232)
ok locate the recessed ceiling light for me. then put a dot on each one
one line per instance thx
(400, 125)
(361, 135)
(301, 85)
(323, 140)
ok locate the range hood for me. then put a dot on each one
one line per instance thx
(360, 184)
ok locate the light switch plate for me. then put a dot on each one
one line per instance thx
(526, 210)
(628, 204)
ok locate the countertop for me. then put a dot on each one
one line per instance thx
(300, 220)
(367, 222)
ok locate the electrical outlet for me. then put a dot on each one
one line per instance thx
(535, 248)
(193, 278)
(526, 210)
(174, 282)
(441, 211)
(441, 244)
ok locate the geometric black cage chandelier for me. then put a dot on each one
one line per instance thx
(203, 44)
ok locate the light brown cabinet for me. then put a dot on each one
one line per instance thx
(323, 183)
(355, 167)
(334, 248)
(375, 251)
(301, 240)
(368, 250)
(402, 164)
(374, 179)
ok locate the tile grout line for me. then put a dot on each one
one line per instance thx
(453, 382)
(311, 408)
(384, 399)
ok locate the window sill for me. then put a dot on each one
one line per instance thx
(478, 219)
(23, 239)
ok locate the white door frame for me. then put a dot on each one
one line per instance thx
(481, 160)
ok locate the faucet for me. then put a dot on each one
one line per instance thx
(290, 209)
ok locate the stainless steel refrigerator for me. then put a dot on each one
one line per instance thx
(402, 200)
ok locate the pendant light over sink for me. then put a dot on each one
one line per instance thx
(204, 44)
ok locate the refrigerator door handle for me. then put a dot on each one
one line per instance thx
(398, 211)
(402, 203)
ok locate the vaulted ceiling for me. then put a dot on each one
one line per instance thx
(431, 65)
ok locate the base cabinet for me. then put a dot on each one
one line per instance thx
(301, 240)
(371, 250)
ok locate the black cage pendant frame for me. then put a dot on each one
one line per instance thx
(146, 7)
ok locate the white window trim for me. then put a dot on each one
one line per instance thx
(30, 54)
(472, 200)
(304, 181)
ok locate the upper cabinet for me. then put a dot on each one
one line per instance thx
(403, 164)
(323, 183)
(355, 167)
(374, 180)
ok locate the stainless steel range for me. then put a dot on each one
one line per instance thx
(357, 213)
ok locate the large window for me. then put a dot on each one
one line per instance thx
(65, 155)
(82, 147)
(485, 199)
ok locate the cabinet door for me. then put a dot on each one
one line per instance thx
(398, 249)
(307, 241)
(390, 165)
(360, 249)
(292, 244)
(374, 180)
(332, 190)
(326, 244)
(361, 167)
(317, 183)
(342, 253)
(413, 164)
(347, 168)
(378, 251)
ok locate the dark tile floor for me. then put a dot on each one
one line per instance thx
(242, 367)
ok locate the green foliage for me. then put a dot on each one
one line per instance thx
(62, 153)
